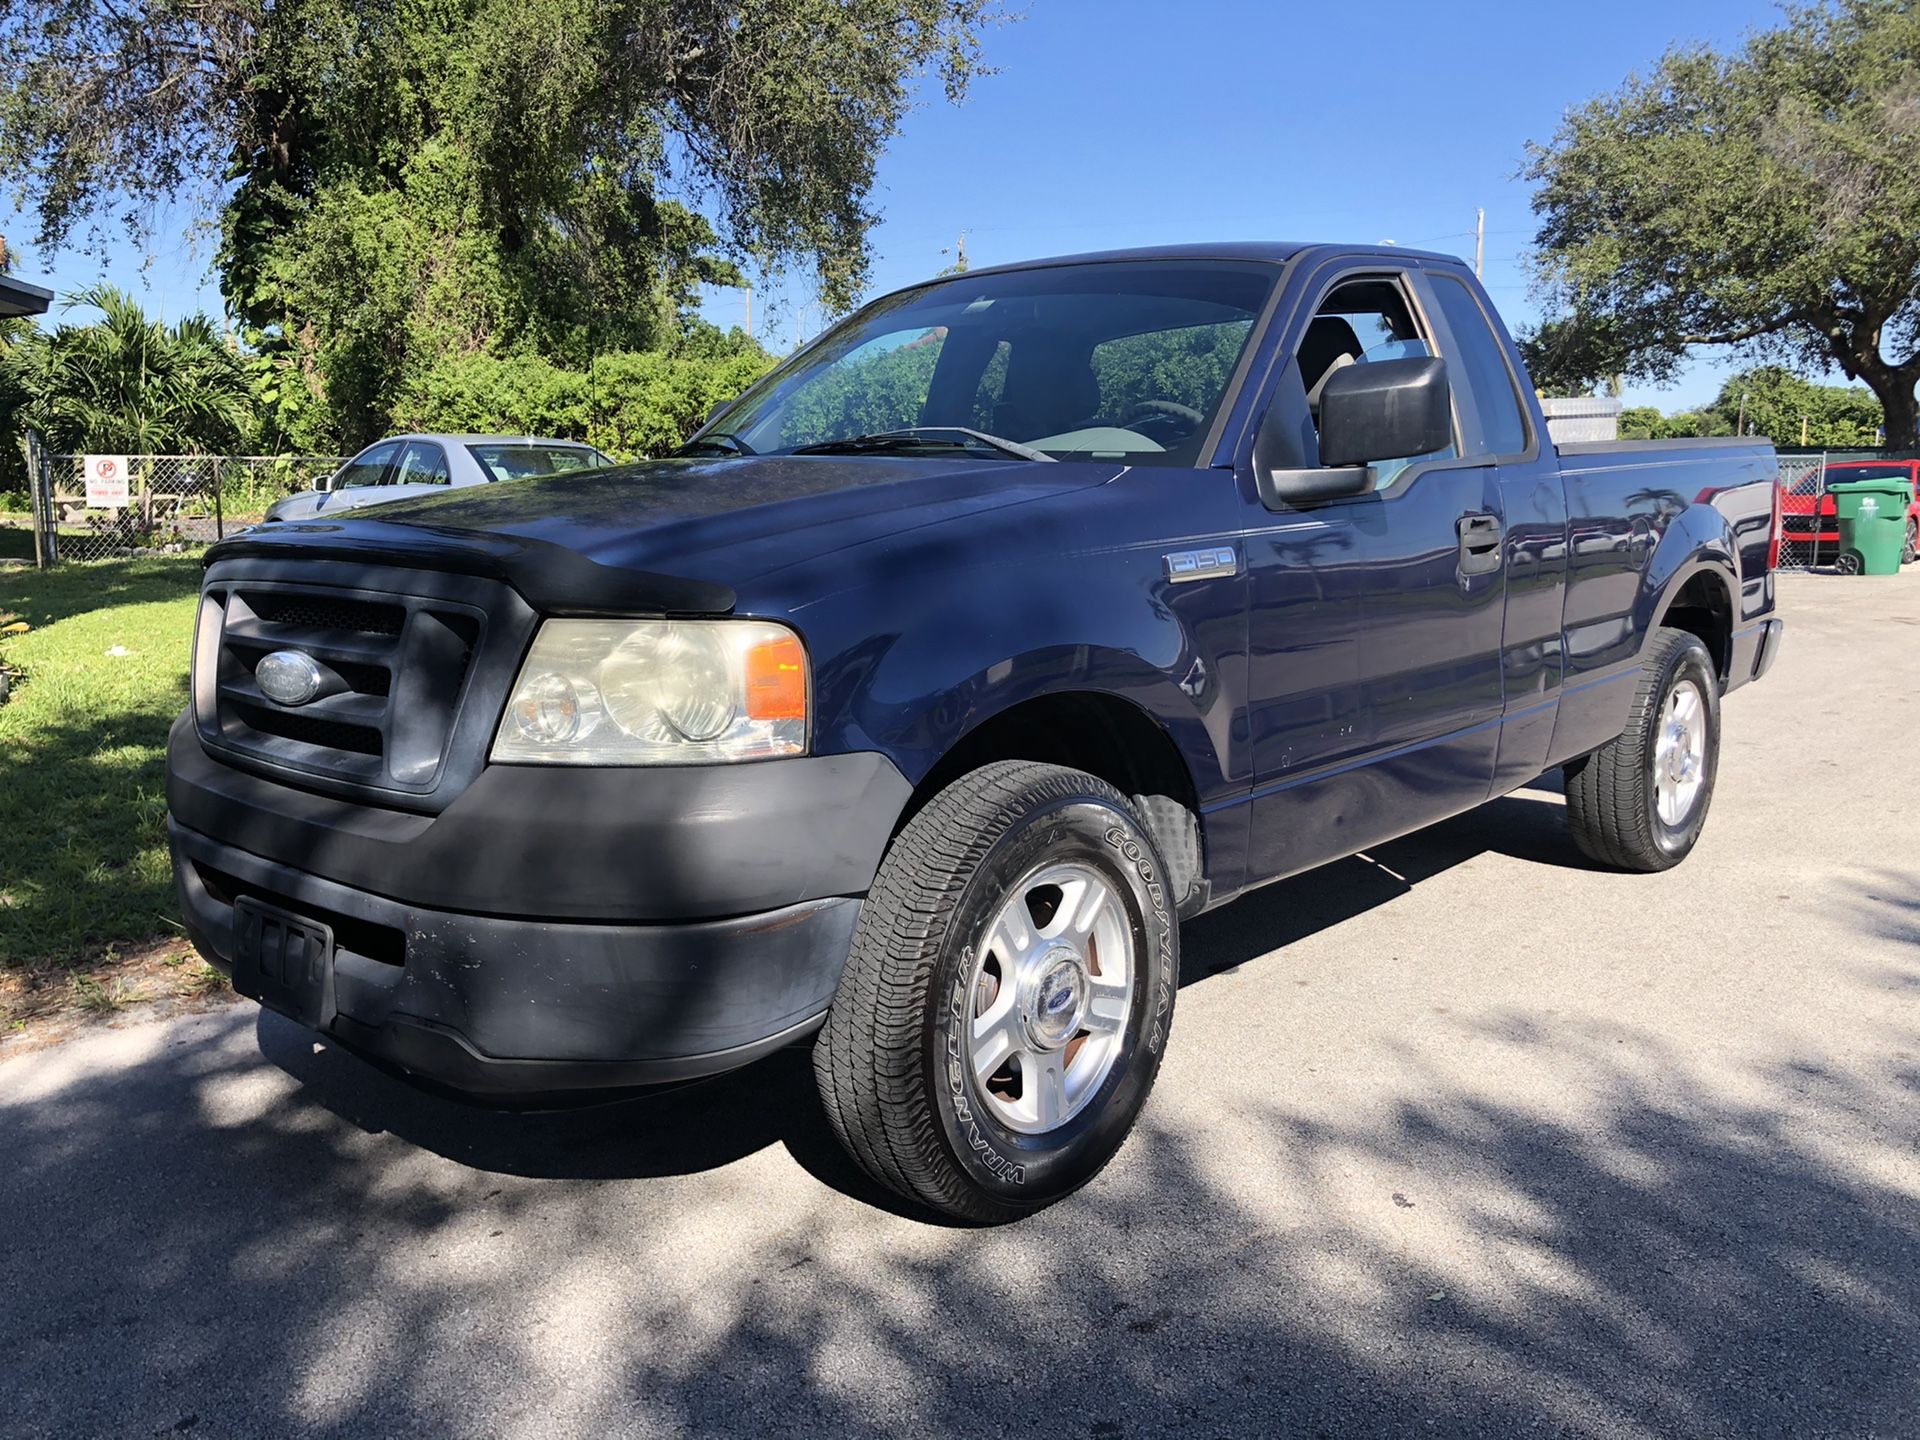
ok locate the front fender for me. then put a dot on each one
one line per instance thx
(910, 668)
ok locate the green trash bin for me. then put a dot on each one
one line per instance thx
(1873, 525)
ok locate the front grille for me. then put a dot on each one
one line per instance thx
(313, 612)
(309, 729)
(394, 671)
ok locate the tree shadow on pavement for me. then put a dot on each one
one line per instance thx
(701, 1126)
(196, 1242)
(1525, 825)
(679, 1131)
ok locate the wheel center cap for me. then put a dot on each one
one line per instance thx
(1680, 755)
(1057, 999)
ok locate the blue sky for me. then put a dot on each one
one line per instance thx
(1132, 122)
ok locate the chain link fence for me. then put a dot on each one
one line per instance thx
(1808, 533)
(160, 504)
(176, 503)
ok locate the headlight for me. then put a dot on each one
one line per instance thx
(656, 692)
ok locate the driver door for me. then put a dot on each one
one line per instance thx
(1374, 672)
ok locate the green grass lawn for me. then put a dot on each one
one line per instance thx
(83, 855)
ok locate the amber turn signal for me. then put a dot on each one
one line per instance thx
(777, 680)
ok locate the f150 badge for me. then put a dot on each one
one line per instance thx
(1185, 565)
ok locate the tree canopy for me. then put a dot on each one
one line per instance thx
(1773, 402)
(400, 184)
(1767, 199)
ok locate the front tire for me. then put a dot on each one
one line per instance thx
(1912, 545)
(1640, 801)
(1007, 996)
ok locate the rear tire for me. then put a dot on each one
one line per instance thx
(1912, 547)
(957, 959)
(1640, 801)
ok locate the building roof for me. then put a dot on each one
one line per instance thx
(19, 298)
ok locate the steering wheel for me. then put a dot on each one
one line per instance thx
(1162, 412)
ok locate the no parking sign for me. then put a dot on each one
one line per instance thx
(106, 481)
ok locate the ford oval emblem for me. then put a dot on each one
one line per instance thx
(288, 677)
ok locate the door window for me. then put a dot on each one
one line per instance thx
(368, 467)
(423, 463)
(1479, 369)
(1363, 322)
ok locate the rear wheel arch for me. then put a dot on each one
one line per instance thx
(1702, 604)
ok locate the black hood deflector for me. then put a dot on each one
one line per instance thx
(552, 578)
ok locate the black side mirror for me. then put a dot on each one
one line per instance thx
(1385, 411)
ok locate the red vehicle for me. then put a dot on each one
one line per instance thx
(1805, 532)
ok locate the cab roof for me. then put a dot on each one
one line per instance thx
(1272, 252)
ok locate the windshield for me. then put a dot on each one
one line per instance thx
(1123, 361)
(510, 460)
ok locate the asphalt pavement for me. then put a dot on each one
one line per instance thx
(1463, 1137)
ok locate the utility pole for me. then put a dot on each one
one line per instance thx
(959, 266)
(1741, 427)
(1803, 432)
(749, 311)
(1479, 242)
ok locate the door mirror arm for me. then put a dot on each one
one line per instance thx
(1285, 489)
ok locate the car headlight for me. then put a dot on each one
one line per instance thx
(656, 692)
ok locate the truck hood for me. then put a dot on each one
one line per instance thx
(667, 535)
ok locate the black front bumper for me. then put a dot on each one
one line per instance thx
(610, 931)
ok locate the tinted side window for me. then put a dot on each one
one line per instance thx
(1479, 368)
(367, 468)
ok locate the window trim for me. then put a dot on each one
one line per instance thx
(1341, 271)
(1280, 346)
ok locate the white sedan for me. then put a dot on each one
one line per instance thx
(407, 465)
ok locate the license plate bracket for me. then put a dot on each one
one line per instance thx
(285, 961)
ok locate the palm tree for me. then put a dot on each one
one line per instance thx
(129, 385)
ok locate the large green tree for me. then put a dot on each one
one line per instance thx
(400, 184)
(1767, 199)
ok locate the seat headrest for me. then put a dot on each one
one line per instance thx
(1328, 338)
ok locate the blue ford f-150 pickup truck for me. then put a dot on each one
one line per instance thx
(913, 704)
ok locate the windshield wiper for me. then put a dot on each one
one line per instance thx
(715, 441)
(924, 437)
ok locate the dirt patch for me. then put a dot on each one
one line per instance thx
(44, 1006)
